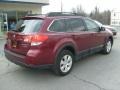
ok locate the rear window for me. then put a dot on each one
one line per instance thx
(29, 26)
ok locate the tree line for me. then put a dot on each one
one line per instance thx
(103, 17)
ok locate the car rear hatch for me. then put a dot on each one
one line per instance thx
(18, 40)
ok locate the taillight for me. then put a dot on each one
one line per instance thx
(39, 38)
(35, 39)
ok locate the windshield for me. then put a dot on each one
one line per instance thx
(28, 26)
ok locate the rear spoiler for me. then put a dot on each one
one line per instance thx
(33, 17)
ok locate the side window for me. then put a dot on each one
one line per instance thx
(58, 26)
(91, 26)
(68, 25)
(75, 25)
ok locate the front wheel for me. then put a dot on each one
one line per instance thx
(108, 47)
(64, 63)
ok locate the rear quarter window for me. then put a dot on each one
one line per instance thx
(58, 26)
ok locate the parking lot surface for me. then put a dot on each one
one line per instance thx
(96, 72)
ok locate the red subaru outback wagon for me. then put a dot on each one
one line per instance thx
(55, 41)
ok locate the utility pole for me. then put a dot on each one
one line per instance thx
(61, 6)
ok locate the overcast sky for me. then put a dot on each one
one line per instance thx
(88, 5)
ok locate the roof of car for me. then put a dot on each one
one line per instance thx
(53, 15)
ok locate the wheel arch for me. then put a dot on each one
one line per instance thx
(111, 38)
(68, 46)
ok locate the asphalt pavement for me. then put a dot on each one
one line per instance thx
(96, 72)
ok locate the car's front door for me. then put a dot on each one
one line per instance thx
(97, 37)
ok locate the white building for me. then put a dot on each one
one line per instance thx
(115, 18)
(13, 10)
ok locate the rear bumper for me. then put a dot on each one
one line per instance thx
(21, 60)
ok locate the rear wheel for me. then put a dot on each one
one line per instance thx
(64, 63)
(108, 47)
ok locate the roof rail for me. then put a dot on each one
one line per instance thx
(36, 15)
(52, 14)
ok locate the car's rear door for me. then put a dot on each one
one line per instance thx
(76, 28)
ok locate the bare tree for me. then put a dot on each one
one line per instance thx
(79, 11)
(103, 17)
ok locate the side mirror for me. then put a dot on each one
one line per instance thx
(102, 29)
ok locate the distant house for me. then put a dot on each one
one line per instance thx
(115, 18)
(13, 10)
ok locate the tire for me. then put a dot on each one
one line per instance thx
(64, 63)
(107, 47)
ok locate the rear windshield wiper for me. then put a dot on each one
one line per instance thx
(14, 30)
(20, 29)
